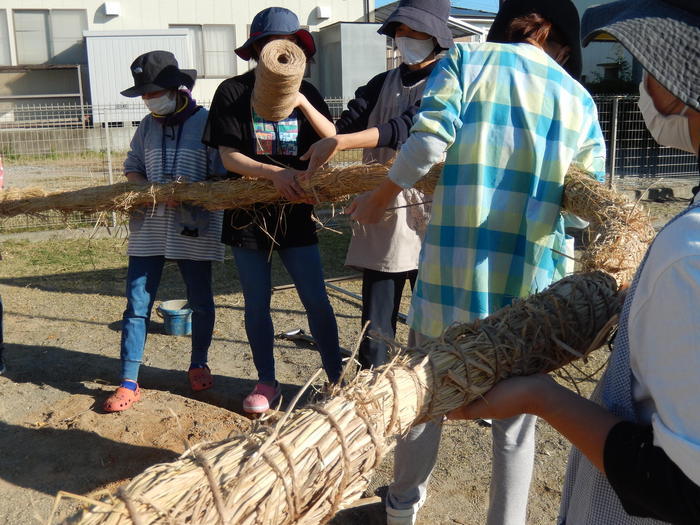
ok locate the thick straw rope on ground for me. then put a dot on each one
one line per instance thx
(622, 228)
(319, 458)
(278, 76)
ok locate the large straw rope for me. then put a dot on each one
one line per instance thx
(278, 77)
(317, 459)
(622, 228)
(320, 458)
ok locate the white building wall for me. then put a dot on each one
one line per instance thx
(161, 14)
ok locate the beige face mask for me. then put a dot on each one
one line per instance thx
(668, 130)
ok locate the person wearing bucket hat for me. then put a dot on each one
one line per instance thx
(275, 21)
(378, 119)
(167, 147)
(636, 444)
(495, 233)
(251, 146)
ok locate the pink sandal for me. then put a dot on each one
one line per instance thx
(122, 399)
(200, 379)
(261, 398)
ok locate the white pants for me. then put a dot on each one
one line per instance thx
(511, 468)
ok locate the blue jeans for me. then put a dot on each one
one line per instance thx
(304, 266)
(142, 280)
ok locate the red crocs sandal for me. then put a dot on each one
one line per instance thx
(122, 399)
(200, 379)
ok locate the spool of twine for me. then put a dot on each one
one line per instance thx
(277, 79)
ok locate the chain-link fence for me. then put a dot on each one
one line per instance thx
(632, 152)
(71, 146)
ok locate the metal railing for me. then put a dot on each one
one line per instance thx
(632, 151)
(71, 146)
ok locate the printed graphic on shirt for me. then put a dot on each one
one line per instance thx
(276, 138)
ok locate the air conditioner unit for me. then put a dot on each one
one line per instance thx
(113, 8)
(323, 12)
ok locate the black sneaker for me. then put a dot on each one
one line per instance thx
(2, 363)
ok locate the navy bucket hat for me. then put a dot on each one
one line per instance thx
(158, 70)
(664, 36)
(561, 13)
(276, 21)
(426, 16)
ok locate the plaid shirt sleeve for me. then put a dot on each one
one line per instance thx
(591, 152)
(441, 106)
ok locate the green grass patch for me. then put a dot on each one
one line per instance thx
(99, 265)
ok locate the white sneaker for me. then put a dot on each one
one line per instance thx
(403, 516)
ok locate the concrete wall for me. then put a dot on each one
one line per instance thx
(351, 54)
(59, 141)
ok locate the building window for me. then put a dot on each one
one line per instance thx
(212, 49)
(53, 36)
(5, 57)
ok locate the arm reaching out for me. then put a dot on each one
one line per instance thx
(579, 420)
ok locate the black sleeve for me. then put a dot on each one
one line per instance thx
(645, 479)
(229, 112)
(395, 132)
(356, 117)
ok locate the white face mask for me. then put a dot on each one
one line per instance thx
(414, 51)
(162, 105)
(667, 130)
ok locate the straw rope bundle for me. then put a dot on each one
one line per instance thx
(320, 458)
(622, 228)
(278, 77)
(328, 185)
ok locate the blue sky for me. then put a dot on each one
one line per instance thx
(486, 5)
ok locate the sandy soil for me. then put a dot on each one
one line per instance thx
(62, 324)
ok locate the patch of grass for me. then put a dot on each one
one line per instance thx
(99, 265)
(23, 258)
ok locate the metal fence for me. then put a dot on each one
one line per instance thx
(71, 146)
(632, 152)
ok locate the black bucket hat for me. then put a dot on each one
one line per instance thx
(664, 36)
(158, 70)
(563, 15)
(426, 16)
(276, 21)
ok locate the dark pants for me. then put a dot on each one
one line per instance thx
(381, 299)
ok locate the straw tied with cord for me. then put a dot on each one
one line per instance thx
(620, 229)
(319, 459)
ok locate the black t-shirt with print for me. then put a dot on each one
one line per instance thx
(232, 123)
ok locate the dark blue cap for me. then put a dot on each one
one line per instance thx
(277, 21)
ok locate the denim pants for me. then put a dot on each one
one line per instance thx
(142, 280)
(304, 266)
(381, 299)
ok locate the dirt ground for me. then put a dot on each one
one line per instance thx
(63, 300)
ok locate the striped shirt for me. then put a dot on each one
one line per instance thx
(165, 154)
(513, 121)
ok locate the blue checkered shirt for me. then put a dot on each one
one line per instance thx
(514, 122)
